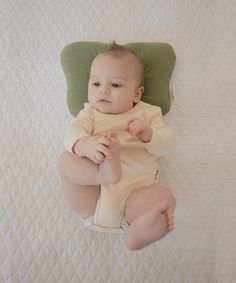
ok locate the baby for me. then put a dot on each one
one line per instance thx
(109, 170)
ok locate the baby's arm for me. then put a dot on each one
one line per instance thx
(79, 140)
(158, 138)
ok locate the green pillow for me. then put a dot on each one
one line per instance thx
(158, 59)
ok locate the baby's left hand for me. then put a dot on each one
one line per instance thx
(140, 129)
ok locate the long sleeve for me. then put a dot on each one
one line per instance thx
(81, 126)
(163, 137)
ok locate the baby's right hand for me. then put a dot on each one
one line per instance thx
(96, 148)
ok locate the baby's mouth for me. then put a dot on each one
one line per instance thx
(103, 100)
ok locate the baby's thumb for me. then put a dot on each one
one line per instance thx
(126, 127)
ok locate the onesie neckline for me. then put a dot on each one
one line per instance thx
(123, 113)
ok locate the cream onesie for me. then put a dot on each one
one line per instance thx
(139, 160)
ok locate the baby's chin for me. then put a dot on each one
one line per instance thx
(108, 110)
(106, 107)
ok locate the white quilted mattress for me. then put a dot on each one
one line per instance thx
(41, 240)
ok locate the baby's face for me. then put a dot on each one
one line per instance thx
(113, 84)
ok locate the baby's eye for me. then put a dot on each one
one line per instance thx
(96, 84)
(116, 85)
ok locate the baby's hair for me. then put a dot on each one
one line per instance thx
(119, 51)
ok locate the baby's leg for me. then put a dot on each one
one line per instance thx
(110, 169)
(80, 170)
(83, 171)
(81, 177)
(81, 199)
(150, 212)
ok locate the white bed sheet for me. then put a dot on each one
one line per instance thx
(40, 239)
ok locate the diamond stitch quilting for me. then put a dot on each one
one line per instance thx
(40, 239)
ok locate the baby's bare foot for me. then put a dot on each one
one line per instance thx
(110, 168)
(115, 146)
(150, 227)
(170, 219)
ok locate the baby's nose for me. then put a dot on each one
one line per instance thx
(106, 89)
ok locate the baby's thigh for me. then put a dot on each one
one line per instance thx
(143, 199)
(69, 163)
(80, 199)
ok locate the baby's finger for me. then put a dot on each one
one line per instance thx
(104, 141)
(136, 123)
(125, 128)
(138, 129)
(135, 129)
(130, 120)
(103, 150)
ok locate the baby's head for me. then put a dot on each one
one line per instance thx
(116, 80)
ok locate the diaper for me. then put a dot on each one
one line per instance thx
(110, 210)
(111, 205)
(90, 223)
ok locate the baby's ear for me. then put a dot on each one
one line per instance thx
(138, 93)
